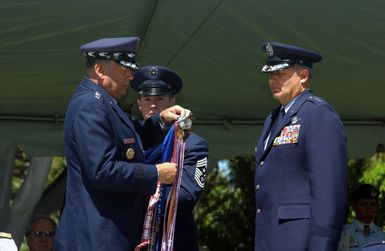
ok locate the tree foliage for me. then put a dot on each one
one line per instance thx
(20, 170)
(224, 216)
(226, 211)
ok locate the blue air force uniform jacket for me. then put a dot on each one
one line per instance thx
(301, 179)
(107, 182)
(193, 181)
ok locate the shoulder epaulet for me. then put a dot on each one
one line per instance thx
(5, 235)
(376, 243)
(378, 228)
(315, 99)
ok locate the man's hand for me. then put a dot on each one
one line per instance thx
(166, 172)
(171, 114)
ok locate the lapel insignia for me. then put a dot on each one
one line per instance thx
(295, 120)
(352, 242)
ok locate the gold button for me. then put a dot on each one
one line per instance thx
(258, 211)
(261, 163)
(130, 153)
(257, 187)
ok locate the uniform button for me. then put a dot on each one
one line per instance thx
(261, 163)
(258, 211)
(257, 187)
(130, 153)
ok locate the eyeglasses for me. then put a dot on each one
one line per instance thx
(41, 234)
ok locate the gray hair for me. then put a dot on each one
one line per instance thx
(28, 229)
(300, 67)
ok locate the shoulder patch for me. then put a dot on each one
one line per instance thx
(200, 172)
(5, 235)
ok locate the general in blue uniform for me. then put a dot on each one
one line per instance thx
(157, 87)
(301, 160)
(107, 183)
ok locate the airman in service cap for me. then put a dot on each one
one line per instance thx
(365, 191)
(120, 49)
(156, 81)
(282, 56)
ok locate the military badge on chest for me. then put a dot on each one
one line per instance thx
(130, 153)
(289, 134)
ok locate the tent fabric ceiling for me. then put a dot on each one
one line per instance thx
(214, 45)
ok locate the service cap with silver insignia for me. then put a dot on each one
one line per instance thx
(155, 80)
(153, 71)
(130, 153)
(282, 56)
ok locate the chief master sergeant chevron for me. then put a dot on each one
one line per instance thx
(107, 180)
(301, 160)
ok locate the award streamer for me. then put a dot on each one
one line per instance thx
(173, 149)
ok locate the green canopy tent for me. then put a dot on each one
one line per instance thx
(214, 45)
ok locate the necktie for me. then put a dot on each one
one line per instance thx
(366, 230)
(277, 120)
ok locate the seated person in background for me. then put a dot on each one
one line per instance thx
(40, 234)
(362, 230)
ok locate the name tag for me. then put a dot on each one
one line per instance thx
(129, 141)
(288, 135)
